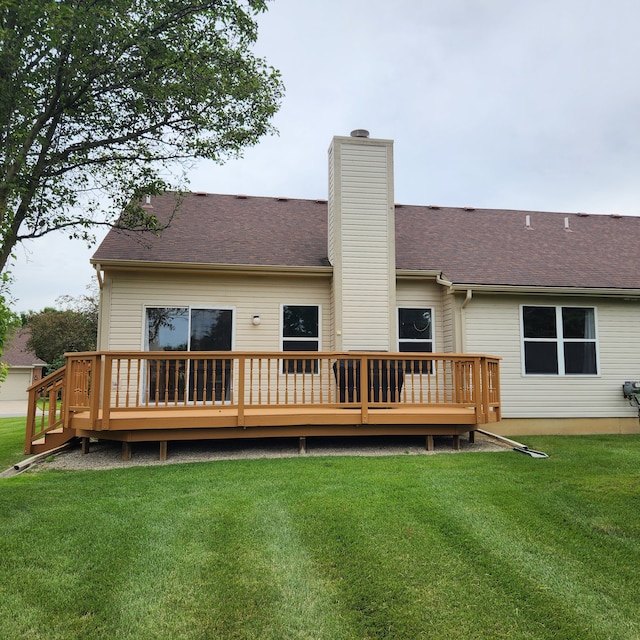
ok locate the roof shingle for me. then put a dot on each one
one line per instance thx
(482, 246)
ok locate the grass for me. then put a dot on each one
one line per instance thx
(448, 546)
(11, 441)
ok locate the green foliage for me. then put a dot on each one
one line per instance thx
(55, 332)
(8, 322)
(486, 545)
(101, 101)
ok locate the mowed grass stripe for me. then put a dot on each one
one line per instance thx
(451, 546)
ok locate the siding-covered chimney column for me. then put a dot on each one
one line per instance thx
(362, 242)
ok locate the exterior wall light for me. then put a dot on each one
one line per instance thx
(256, 320)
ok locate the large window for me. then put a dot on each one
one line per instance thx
(300, 332)
(415, 333)
(559, 340)
(189, 329)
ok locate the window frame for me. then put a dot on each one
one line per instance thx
(427, 365)
(144, 383)
(560, 341)
(307, 369)
(189, 308)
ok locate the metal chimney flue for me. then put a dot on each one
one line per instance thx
(359, 133)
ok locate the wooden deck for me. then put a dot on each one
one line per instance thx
(165, 396)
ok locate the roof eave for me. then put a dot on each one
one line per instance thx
(545, 290)
(138, 265)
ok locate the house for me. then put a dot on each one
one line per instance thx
(24, 368)
(548, 302)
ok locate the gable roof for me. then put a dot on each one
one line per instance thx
(486, 247)
(16, 353)
(230, 230)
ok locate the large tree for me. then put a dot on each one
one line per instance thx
(71, 326)
(100, 100)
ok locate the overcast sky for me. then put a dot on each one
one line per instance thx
(514, 104)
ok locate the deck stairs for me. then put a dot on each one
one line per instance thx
(46, 429)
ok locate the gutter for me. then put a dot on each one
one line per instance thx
(136, 265)
(599, 292)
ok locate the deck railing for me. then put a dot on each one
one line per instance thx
(127, 381)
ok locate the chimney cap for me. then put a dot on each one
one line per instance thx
(359, 133)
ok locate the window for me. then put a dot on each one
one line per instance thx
(559, 340)
(300, 332)
(189, 329)
(415, 333)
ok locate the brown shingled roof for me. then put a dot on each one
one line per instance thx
(16, 353)
(482, 247)
(225, 229)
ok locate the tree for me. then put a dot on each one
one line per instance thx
(101, 101)
(55, 332)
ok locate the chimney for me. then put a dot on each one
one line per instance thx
(362, 242)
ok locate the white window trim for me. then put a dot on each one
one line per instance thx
(416, 340)
(560, 341)
(189, 307)
(282, 338)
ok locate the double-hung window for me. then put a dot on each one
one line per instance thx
(300, 332)
(415, 333)
(559, 340)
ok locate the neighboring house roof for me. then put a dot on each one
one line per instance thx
(469, 246)
(16, 353)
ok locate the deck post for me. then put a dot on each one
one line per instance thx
(430, 446)
(456, 441)
(302, 444)
(85, 445)
(472, 436)
(126, 451)
(364, 389)
(241, 385)
(106, 389)
(163, 450)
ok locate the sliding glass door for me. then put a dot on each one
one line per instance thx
(189, 329)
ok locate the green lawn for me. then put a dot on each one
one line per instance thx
(474, 545)
(11, 442)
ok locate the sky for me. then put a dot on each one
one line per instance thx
(507, 104)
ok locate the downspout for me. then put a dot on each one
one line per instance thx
(99, 275)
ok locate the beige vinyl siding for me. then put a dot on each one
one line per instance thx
(448, 303)
(262, 295)
(422, 295)
(364, 259)
(493, 327)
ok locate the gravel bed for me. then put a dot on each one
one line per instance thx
(108, 455)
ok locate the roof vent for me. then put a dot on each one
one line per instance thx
(469, 208)
(359, 133)
(433, 206)
(527, 222)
